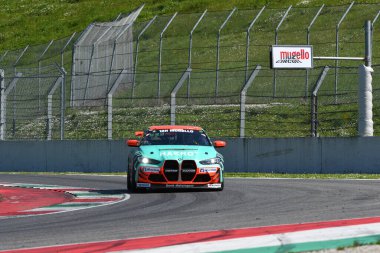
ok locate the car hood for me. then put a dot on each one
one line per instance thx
(180, 152)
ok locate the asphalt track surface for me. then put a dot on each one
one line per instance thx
(243, 203)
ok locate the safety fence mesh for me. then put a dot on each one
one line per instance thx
(137, 64)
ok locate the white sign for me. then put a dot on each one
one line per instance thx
(292, 57)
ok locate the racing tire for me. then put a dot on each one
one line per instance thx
(131, 183)
(221, 188)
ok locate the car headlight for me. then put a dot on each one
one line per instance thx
(211, 161)
(146, 160)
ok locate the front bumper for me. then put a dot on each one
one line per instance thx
(206, 177)
(179, 186)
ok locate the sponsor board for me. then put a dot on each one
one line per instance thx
(292, 57)
(214, 185)
(151, 169)
(145, 185)
(204, 170)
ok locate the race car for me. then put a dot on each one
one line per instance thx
(175, 157)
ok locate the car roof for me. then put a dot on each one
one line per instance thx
(164, 127)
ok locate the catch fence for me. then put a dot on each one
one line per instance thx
(215, 54)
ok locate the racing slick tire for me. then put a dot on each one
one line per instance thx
(131, 183)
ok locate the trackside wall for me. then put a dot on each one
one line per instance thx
(279, 155)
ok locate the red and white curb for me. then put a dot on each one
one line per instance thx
(81, 198)
(283, 238)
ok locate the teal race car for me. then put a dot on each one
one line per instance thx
(174, 157)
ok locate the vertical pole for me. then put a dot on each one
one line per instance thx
(160, 58)
(218, 52)
(314, 102)
(337, 50)
(49, 117)
(243, 94)
(137, 53)
(314, 115)
(190, 49)
(276, 41)
(365, 87)
(248, 39)
(2, 105)
(63, 101)
(308, 43)
(109, 116)
(368, 43)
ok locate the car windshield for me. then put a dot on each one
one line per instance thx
(176, 137)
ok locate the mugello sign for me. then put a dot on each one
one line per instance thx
(292, 57)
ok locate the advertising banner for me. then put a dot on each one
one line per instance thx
(291, 57)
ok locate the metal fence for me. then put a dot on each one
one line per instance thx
(206, 63)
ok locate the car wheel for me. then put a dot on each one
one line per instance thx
(131, 181)
(221, 188)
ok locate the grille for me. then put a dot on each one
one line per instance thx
(171, 170)
(188, 170)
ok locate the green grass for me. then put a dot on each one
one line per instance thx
(39, 21)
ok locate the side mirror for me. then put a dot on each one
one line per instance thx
(133, 143)
(139, 133)
(219, 144)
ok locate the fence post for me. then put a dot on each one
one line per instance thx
(190, 49)
(217, 52)
(275, 42)
(314, 102)
(337, 49)
(5, 93)
(365, 87)
(243, 94)
(160, 58)
(50, 107)
(63, 100)
(173, 94)
(308, 43)
(137, 53)
(2, 105)
(248, 39)
(110, 94)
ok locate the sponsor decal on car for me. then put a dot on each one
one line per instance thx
(178, 153)
(179, 186)
(214, 185)
(145, 185)
(188, 170)
(176, 131)
(204, 170)
(151, 169)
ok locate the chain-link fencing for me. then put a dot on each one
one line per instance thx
(123, 81)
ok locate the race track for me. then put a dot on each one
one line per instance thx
(243, 203)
